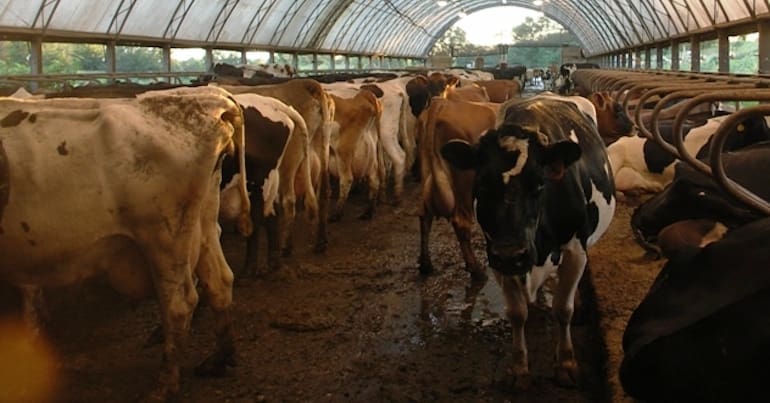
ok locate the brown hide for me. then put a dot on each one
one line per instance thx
(419, 94)
(447, 192)
(265, 142)
(472, 93)
(501, 90)
(118, 90)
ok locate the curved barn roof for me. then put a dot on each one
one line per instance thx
(388, 27)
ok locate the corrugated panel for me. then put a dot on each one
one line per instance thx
(400, 27)
(19, 14)
(83, 16)
(138, 24)
(199, 20)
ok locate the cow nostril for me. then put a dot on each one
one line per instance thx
(509, 250)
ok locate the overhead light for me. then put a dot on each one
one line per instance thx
(538, 2)
(504, 1)
(462, 14)
(441, 3)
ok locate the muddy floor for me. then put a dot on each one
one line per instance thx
(358, 324)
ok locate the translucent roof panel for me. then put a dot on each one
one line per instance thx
(390, 27)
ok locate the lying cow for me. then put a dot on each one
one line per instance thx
(701, 333)
(544, 194)
(128, 189)
(640, 164)
(612, 121)
(692, 195)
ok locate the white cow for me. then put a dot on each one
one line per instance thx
(128, 188)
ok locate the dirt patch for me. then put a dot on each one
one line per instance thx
(358, 324)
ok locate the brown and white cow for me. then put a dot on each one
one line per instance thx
(128, 189)
(277, 152)
(354, 154)
(317, 109)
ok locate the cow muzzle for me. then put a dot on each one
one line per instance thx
(509, 258)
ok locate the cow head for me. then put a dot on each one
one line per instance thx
(613, 122)
(515, 168)
(690, 195)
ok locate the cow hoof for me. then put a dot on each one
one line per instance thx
(159, 395)
(566, 375)
(155, 338)
(287, 251)
(478, 275)
(367, 215)
(521, 382)
(320, 247)
(215, 365)
(426, 268)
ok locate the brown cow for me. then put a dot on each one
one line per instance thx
(447, 191)
(354, 145)
(501, 90)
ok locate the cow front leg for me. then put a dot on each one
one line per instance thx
(517, 311)
(425, 265)
(569, 273)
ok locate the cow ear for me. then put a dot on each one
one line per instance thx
(598, 100)
(559, 156)
(459, 153)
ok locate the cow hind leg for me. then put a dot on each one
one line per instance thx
(345, 183)
(177, 299)
(250, 264)
(425, 265)
(569, 273)
(274, 251)
(216, 279)
(463, 232)
(374, 185)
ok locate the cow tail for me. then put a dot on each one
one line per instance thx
(310, 197)
(245, 226)
(405, 138)
(435, 166)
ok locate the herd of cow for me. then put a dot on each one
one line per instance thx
(134, 183)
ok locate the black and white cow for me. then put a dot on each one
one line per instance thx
(544, 194)
(693, 195)
(640, 164)
(702, 333)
